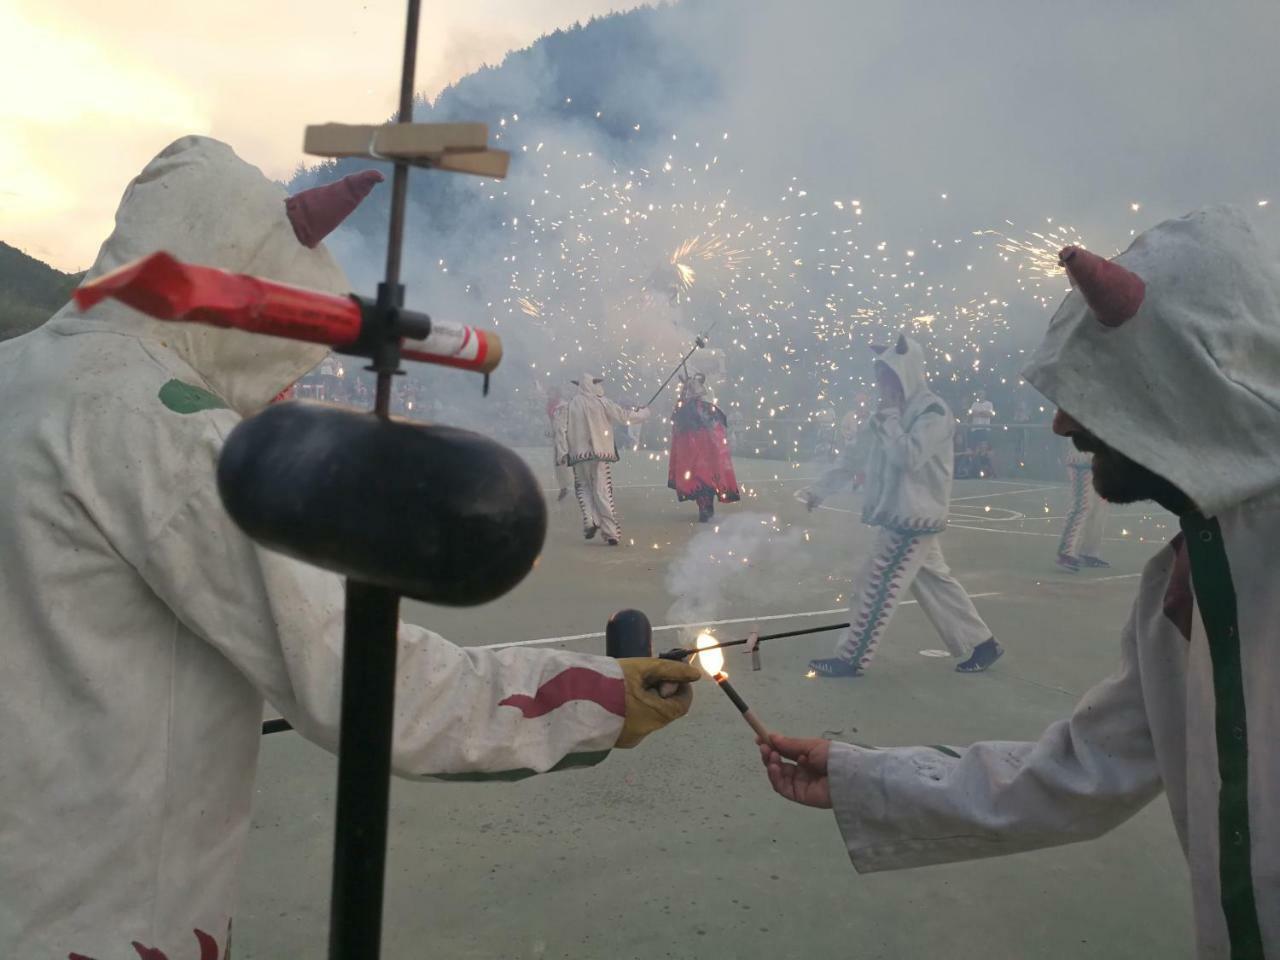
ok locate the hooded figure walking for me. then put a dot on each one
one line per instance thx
(558, 432)
(907, 496)
(593, 448)
(1086, 518)
(700, 467)
(1162, 364)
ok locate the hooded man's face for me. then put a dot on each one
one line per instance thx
(1117, 478)
(889, 386)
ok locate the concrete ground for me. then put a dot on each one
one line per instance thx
(679, 849)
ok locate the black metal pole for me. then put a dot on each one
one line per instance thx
(364, 771)
(683, 653)
(682, 362)
(369, 644)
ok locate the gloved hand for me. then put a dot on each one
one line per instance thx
(647, 709)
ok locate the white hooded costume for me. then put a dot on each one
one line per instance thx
(592, 448)
(907, 495)
(140, 630)
(559, 434)
(1186, 386)
(1086, 518)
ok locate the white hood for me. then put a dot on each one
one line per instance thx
(906, 359)
(201, 203)
(1189, 386)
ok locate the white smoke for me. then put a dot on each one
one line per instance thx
(746, 562)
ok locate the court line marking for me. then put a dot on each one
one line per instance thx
(1034, 533)
(702, 623)
(644, 486)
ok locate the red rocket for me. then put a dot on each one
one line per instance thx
(165, 288)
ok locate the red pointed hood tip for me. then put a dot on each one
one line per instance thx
(316, 213)
(1113, 293)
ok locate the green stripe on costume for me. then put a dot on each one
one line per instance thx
(1216, 597)
(570, 762)
(184, 398)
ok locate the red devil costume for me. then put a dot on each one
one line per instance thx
(701, 467)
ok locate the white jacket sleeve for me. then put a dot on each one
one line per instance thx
(838, 477)
(914, 806)
(620, 414)
(280, 622)
(930, 435)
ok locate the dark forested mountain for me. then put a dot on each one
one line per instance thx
(30, 291)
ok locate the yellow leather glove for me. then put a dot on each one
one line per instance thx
(647, 708)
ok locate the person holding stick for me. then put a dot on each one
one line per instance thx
(1145, 363)
(700, 465)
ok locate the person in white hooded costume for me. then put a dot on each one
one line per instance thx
(910, 456)
(593, 448)
(1163, 364)
(140, 630)
(1086, 518)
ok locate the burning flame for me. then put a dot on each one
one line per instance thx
(711, 661)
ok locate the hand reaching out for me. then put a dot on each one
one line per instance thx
(804, 781)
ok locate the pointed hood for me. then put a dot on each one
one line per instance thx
(906, 359)
(1113, 293)
(1187, 386)
(316, 213)
(200, 202)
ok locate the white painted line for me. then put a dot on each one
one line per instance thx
(1033, 533)
(1002, 493)
(702, 623)
(654, 486)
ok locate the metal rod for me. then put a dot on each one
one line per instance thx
(369, 644)
(672, 654)
(364, 771)
(682, 362)
(399, 196)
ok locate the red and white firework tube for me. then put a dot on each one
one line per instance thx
(166, 288)
(456, 345)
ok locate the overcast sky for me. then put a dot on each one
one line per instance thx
(92, 89)
(1015, 110)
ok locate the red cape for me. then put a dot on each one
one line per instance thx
(700, 462)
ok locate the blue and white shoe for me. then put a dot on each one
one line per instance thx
(833, 667)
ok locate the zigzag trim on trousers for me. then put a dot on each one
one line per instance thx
(880, 599)
(613, 510)
(582, 503)
(1079, 493)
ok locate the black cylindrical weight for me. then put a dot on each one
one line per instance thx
(628, 634)
(433, 512)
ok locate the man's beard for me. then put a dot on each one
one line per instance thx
(1120, 480)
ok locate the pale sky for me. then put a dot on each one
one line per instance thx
(92, 89)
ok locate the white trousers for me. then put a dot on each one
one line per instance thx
(1086, 515)
(593, 483)
(564, 473)
(900, 561)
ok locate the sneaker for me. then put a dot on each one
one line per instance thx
(833, 667)
(984, 655)
(1096, 562)
(590, 532)
(1068, 563)
(612, 542)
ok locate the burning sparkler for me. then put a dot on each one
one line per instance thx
(712, 661)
